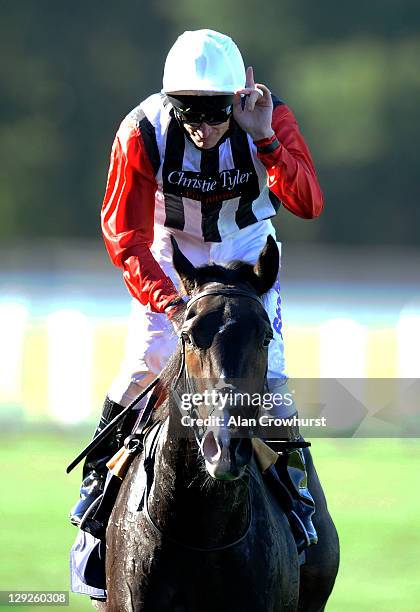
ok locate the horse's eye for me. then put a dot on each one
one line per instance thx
(191, 313)
(267, 339)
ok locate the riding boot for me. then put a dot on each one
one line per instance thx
(94, 469)
(291, 469)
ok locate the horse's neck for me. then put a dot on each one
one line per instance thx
(190, 503)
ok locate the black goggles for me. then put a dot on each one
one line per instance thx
(196, 118)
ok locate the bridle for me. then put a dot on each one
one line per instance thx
(149, 456)
(226, 291)
(183, 369)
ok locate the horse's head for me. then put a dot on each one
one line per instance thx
(225, 338)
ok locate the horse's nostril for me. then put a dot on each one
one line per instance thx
(210, 448)
(243, 452)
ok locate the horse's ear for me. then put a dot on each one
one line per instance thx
(184, 268)
(266, 269)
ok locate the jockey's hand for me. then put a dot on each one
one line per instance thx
(256, 116)
(176, 315)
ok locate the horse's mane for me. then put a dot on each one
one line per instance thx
(167, 377)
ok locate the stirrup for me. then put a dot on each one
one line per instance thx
(91, 488)
(91, 525)
(300, 533)
(82, 525)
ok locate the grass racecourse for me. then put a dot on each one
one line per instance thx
(373, 489)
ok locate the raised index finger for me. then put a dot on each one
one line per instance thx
(249, 78)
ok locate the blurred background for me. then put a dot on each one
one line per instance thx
(351, 295)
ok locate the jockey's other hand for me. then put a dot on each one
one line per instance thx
(176, 314)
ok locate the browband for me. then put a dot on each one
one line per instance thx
(229, 292)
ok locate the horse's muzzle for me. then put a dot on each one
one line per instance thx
(226, 459)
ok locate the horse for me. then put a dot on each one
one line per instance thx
(194, 527)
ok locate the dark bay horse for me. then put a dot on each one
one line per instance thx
(194, 528)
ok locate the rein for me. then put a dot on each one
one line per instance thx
(149, 461)
(199, 548)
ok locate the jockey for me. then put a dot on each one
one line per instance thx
(209, 160)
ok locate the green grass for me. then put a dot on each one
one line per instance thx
(373, 495)
(372, 489)
(36, 494)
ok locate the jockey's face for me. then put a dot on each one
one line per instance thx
(206, 136)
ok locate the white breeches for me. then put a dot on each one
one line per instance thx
(151, 339)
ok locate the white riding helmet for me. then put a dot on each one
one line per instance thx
(203, 62)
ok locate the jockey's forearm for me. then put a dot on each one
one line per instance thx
(290, 170)
(146, 280)
(128, 217)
